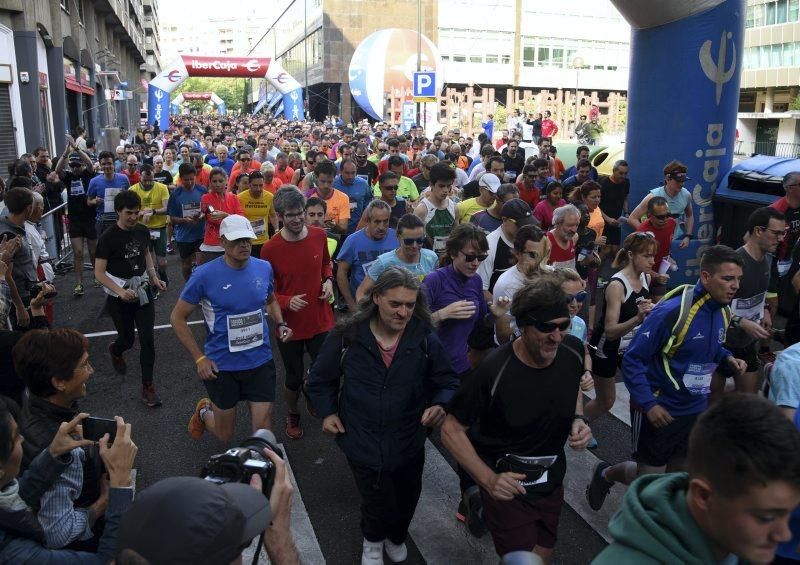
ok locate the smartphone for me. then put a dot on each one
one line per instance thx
(95, 428)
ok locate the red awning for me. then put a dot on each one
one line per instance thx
(75, 86)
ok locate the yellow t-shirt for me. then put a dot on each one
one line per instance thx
(466, 208)
(257, 210)
(154, 198)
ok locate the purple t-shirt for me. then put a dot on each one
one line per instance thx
(443, 287)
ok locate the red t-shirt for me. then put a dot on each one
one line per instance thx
(295, 264)
(531, 196)
(225, 202)
(792, 226)
(663, 238)
(561, 257)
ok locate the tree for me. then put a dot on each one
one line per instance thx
(231, 90)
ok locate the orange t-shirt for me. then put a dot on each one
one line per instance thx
(276, 184)
(286, 176)
(237, 168)
(596, 221)
(338, 206)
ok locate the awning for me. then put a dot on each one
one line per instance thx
(75, 86)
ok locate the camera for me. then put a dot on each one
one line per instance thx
(239, 464)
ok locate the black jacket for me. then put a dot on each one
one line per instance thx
(381, 408)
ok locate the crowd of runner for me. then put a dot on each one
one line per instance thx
(475, 285)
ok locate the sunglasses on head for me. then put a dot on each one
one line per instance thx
(470, 258)
(409, 241)
(549, 327)
(580, 297)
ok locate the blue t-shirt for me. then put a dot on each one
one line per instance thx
(233, 303)
(184, 203)
(359, 194)
(784, 379)
(578, 328)
(107, 190)
(360, 251)
(789, 549)
(427, 263)
(677, 206)
(227, 164)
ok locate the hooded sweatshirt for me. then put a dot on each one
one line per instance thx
(654, 526)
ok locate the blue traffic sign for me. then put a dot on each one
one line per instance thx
(425, 84)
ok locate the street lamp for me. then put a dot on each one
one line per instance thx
(577, 64)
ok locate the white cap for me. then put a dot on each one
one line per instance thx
(490, 182)
(236, 227)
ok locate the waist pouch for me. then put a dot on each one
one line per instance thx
(543, 474)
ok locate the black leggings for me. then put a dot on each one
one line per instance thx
(127, 316)
(292, 353)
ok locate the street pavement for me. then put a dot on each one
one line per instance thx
(326, 502)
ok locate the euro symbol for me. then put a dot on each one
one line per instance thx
(174, 76)
(716, 72)
(281, 78)
(252, 65)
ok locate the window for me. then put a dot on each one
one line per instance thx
(771, 13)
(794, 9)
(475, 59)
(505, 59)
(528, 56)
(491, 58)
(459, 59)
(781, 11)
(558, 57)
(543, 58)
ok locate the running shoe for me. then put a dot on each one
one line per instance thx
(598, 489)
(396, 553)
(293, 429)
(372, 553)
(78, 290)
(170, 249)
(117, 361)
(196, 425)
(150, 396)
(470, 511)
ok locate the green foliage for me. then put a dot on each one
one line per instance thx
(795, 103)
(231, 90)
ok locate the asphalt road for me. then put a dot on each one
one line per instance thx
(322, 474)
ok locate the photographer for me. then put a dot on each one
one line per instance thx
(123, 258)
(191, 520)
(22, 538)
(54, 364)
(397, 376)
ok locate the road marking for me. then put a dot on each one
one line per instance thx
(161, 327)
(303, 535)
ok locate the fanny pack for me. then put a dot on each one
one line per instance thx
(537, 481)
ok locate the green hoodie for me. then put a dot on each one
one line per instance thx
(654, 526)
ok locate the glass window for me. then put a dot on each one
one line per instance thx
(748, 20)
(505, 59)
(558, 57)
(475, 59)
(528, 56)
(794, 9)
(775, 56)
(781, 9)
(459, 59)
(788, 54)
(491, 58)
(763, 58)
(771, 13)
(543, 59)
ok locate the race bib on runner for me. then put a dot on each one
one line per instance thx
(108, 199)
(190, 209)
(155, 234)
(76, 188)
(439, 243)
(259, 226)
(366, 267)
(750, 308)
(245, 331)
(353, 206)
(697, 378)
(783, 266)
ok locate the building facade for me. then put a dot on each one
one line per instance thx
(58, 57)
(769, 113)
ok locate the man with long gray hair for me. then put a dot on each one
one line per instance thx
(396, 373)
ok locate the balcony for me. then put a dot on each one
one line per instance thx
(770, 148)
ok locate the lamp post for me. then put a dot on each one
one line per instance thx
(577, 63)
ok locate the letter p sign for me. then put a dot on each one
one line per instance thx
(424, 85)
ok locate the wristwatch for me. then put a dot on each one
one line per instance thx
(736, 321)
(581, 417)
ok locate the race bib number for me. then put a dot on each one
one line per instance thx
(259, 226)
(155, 234)
(108, 199)
(697, 378)
(783, 266)
(191, 209)
(366, 267)
(439, 242)
(750, 308)
(245, 331)
(353, 206)
(76, 188)
(625, 341)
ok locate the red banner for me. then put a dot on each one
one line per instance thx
(197, 96)
(241, 67)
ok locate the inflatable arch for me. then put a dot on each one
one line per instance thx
(175, 105)
(186, 66)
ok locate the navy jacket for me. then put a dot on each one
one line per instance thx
(381, 407)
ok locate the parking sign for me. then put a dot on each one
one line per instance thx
(424, 86)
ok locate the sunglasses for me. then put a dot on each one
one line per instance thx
(661, 216)
(580, 297)
(409, 241)
(470, 258)
(245, 159)
(549, 327)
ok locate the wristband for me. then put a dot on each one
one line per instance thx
(581, 417)
(688, 235)
(197, 361)
(279, 324)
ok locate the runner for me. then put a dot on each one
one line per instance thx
(257, 206)
(217, 204)
(563, 236)
(186, 218)
(678, 198)
(102, 190)
(154, 197)
(236, 361)
(437, 210)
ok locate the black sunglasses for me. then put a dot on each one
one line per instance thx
(409, 241)
(580, 297)
(661, 216)
(470, 258)
(550, 327)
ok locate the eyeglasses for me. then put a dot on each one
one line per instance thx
(243, 159)
(549, 327)
(580, 297)
(409, 241)
(660, 216)
(777, 233)
(294, 216)
(470, 258)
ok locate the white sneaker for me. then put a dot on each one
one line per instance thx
(372, 553)
(396, 553)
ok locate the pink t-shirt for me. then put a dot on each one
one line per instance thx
(388, 354)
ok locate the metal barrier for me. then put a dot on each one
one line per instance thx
(55, 225)
(771, 148)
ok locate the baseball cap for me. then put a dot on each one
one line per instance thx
(490, 182)
(75, 158)
(519, 211)
(190, 520)
(236, 227)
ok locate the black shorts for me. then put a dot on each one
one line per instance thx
(605, 367)
(293, 357)
(655, 447)
(253, 385)
(613, 235)
(82, 228)
(188, 248)
(748, 354)
(519, 524)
